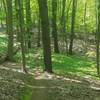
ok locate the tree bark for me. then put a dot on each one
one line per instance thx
(98, 40)
(28, 22)
(72, 35)
(22, 32)
(54, 25)
(9, 30)
(45, 34)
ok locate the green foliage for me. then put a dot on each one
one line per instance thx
(79, 26)
(73, 65)
(26, 94)
(64, 64)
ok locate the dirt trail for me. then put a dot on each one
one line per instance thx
(44, 85)
(55, 87)
(64, 90)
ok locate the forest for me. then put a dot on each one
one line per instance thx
(49, 49)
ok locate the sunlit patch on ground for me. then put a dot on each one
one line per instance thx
(44, 86)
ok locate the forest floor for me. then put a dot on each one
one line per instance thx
(13, 83)
(74, 77)
(36, 85)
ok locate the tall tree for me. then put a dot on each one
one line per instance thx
(5, 9)
(17, 22)
(39, 32)
(85, 27)
(54, 25)
(22, 31)
(66, 22)
(9, 30)
(63, 23)
(28, 22)
(98, 39)
(45, 34)
(72, 35)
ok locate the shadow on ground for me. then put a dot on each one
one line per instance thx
(15, 85)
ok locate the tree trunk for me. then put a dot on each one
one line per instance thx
(45, 34)
(28, 22)
(22, 32)
(17, 24)
(86, 35)
(54, 25)
(63, 24)
(98, 39)
(9, 30)
(72, 35)
(39, 32)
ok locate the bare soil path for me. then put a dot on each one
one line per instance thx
(55, 87)
(45, 86)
